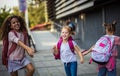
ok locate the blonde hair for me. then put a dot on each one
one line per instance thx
(68, 28)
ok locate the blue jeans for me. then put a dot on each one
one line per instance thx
(103, 72)
(71, 68)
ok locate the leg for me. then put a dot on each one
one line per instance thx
(73, 68)
(30, 69)
(67, 68)
(102, 71)
(14, 73)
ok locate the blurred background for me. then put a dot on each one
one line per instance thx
(33, 11)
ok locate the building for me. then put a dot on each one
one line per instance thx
(88, 15)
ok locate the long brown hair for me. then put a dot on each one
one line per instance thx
(5, 28)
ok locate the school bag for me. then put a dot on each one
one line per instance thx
(5, 53)
(102, 50)
(57, 56)
(5, 50)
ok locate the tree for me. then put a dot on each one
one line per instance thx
(36, 13)
(3, 14)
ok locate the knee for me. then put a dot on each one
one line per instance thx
(31, 70)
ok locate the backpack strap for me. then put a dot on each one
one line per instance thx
(71, 44)
(14, 45)
(25, 37)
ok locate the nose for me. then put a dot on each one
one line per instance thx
(16, 22)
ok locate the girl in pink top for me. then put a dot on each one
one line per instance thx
(17, 59)
(110, 67)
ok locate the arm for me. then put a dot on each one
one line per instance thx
(15, 39)
(55, 50)
(77, 50)
(88, 51)
(117, 40)
(29, 50)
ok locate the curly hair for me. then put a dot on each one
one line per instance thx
(5, 28)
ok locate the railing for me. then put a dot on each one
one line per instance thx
(31, 40)
(57, 27)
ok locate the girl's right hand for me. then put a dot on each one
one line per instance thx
(30, 51)
(81, 61)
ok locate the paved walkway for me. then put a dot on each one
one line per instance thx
(46, 65)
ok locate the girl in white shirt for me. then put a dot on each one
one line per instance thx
(66, 55)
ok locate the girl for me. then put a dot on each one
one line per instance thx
(66, 55)
(17, 59)
(110, 67)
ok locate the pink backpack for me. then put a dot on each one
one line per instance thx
(5, 49)
(57, 56)
(102, 50)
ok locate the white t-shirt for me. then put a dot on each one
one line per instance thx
(66, 54)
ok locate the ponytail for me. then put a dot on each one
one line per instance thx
(111, 27)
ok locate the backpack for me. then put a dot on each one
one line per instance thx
(57, 56)
(5, 53)
(102, 50)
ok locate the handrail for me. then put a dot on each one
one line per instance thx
(31, 39)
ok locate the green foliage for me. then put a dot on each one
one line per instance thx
(3, 15)
(36, 13)
(16, 11)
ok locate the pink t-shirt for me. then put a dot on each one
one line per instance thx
(19, 52)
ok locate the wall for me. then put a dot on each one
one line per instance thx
(90, 29)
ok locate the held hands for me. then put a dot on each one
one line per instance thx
(85, 52)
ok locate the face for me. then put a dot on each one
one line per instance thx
(15, 24)
(65, 34)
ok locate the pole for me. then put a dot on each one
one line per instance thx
(27, 26)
